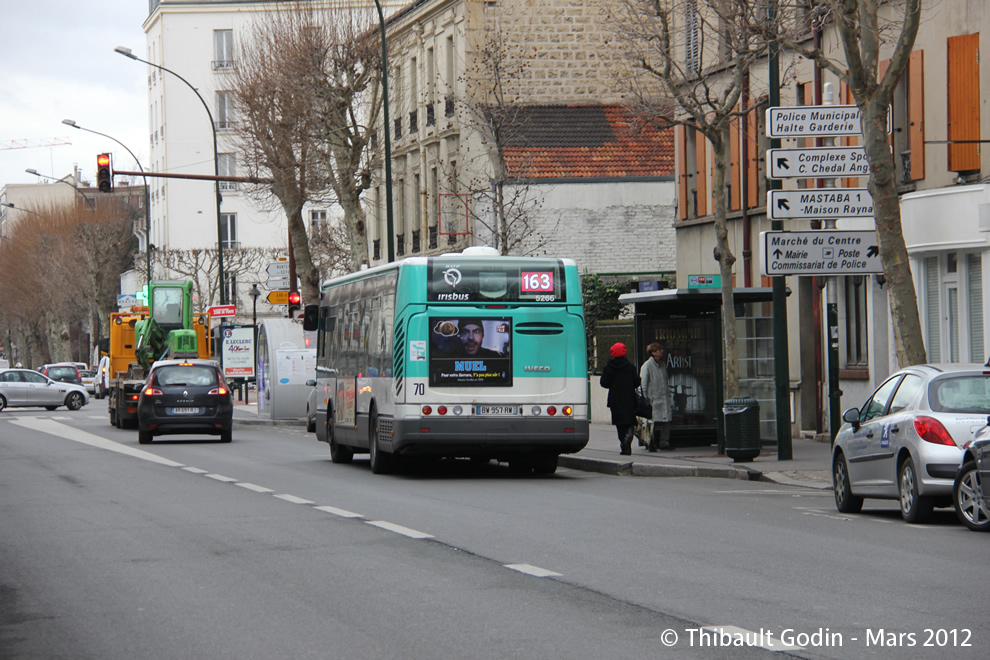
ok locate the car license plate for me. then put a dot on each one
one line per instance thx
(185, 411)
(496, 410)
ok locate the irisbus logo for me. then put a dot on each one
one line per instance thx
(536, 368)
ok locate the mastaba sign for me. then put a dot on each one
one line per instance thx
(819, 203)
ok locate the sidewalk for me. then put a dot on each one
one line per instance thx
(809, 467)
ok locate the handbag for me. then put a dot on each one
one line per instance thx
(643, 406)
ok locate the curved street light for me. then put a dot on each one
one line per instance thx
(147, 196)
(10, 205)
(92, 206)
(126, 52)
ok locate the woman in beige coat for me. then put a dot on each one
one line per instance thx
(656, 388)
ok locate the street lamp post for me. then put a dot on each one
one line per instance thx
(147, 196)
(388, 141)
(254, 293)
(92, 207)
(126, 52)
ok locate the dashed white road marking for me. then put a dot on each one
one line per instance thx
(195, 470)
(399, 529)
(338, 512)
(294, 499)
(254, 487)
(535, 571)
(762, 639)
(220, 477)
(76, 435)
(97, 417)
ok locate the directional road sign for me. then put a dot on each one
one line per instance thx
(820, 203)
(278, 269)
(814, 121)
(820, 253)
(278, 297)
(825, 162)
(276, 283)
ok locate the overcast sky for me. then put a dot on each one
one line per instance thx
(58, 63)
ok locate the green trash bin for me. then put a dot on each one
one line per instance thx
(742, 428)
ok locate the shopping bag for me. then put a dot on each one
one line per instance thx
(643, 406)
(643, 431)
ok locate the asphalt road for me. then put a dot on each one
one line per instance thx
(263, 548)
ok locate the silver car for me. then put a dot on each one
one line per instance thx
(906, 441)
(26, 388)
(971, 490)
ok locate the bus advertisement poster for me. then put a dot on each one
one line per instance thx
(470, 351)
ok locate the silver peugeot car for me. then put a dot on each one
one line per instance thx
(906, 442)
(26, 388)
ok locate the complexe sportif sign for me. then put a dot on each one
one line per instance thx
(825, 162)
(820, 253)
(819, 203)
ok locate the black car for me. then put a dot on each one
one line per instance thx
(63, 372)
(185, 396)
(971, 489)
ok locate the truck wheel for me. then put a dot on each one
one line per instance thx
(113, 416)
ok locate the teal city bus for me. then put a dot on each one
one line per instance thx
(466, 355)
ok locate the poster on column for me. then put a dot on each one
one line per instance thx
(238, 352)
(295, 366)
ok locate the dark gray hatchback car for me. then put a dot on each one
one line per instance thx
(187, 397)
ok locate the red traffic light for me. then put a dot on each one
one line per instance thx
(104, 176)
(294, 298)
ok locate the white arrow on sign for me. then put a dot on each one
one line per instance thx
(820, 203)
(820, 253)
(824, 162)
(278, 269)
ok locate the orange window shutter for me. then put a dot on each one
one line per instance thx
(753, 158)
(700, 151)
(916, 113)
(963, 83)
(682, 173)
(735, 178)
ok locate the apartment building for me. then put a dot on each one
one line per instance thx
(941, 171)
(568, 170)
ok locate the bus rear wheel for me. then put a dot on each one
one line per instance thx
(338, 453)
(381, 463)
(546, 464)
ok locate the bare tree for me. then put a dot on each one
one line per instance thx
(508, 207)
(864, 27)
(306, 92)
(200, 266)
(687, 60)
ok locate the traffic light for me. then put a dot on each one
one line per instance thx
(104, 175)
(294, 300)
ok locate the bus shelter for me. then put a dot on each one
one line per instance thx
(689, 322)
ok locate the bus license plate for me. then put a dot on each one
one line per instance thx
(496, 410)
(185, 411)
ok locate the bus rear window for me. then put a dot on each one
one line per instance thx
(500, 279)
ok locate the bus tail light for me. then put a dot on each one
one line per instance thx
(551, 410)
(427, 410)
(442, 410)
(567, 410)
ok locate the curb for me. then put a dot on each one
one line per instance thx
(633, 469)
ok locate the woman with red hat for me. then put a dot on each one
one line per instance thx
(621, 378)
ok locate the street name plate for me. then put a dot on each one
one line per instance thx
(819, 203)
(820, 253)
(825, 162)
(814, 121)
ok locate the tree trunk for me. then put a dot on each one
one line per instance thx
(893, 251)
(357, 227)
(725, 262)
